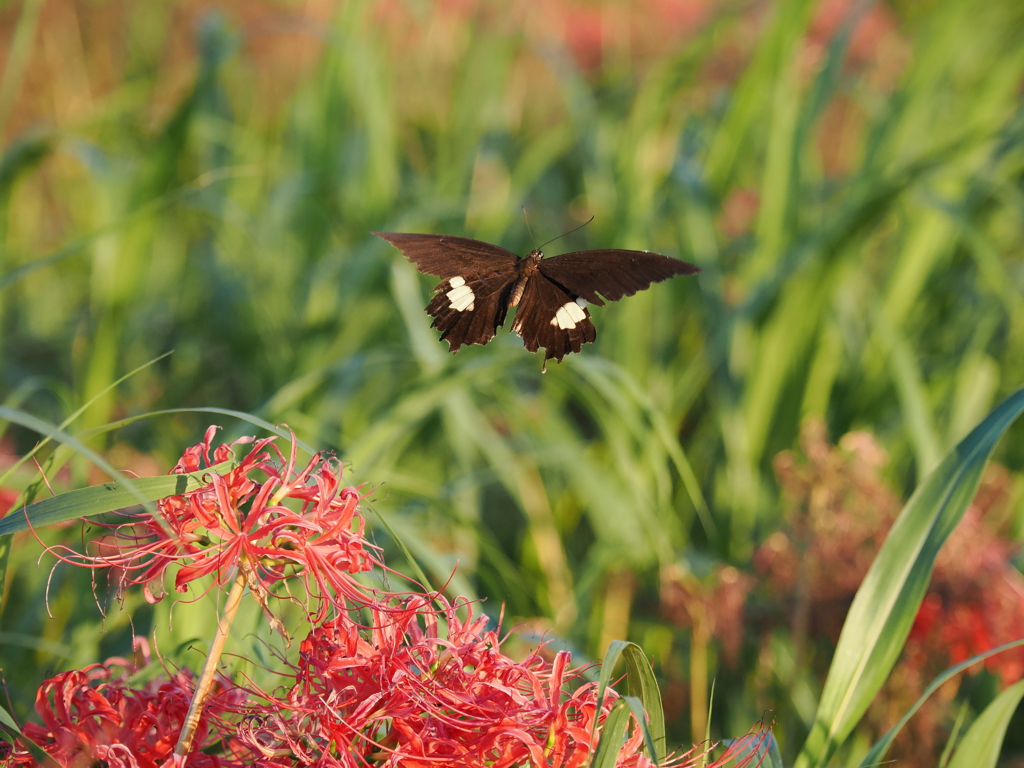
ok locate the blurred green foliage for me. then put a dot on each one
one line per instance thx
(849, 181)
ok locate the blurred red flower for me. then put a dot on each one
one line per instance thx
(7, 498)
(838, 513)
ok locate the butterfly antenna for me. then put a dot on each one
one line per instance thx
(527, 220)
(581, 226)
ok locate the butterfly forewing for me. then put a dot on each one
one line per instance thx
(447, 256)
(550, 317)
(613, 273)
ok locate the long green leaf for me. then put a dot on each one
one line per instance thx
(773, 759)
(887, 602)
(242, 415)
(612, 733)
(640, 685)
(45, 428)
(98, 499)
(7, 724)
(981, 744)
(636, 706)
(78, 412)
(877, 752)
(58, 434)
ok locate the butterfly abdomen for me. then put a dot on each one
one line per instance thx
(528, 267)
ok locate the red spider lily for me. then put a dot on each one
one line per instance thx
(411, 695)
(400, 696)
(92, 716)
(416, 688)
(240, 520)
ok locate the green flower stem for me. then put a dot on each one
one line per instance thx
(205, 684)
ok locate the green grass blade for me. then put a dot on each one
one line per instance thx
(611, 657)
(29, 421)
(612, 734)
(910, 389)
(242, 415)
(774, 758)
(887, 602)
(641, 715)
(877, 752)
(7, 724)
(64, 424)
(641, 685)
(954, 734)
(746, 106)
(19, 53)
(98, 499)
(79, 245)
(707, 724)
(612, 380)
(982, 743)
(410, 558)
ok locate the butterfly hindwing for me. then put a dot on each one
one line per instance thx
(550, 317)
(612, 272)
(470, 310)
(448, 256)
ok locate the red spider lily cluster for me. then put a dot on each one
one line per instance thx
(423, 682)
(428, 688)
(94, 714)
(239, 520)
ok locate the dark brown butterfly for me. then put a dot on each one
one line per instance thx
(482, 282)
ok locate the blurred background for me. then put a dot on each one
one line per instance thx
(711, 478)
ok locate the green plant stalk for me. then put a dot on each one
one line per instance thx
(205, 684)
(699, 706)
(17, 58)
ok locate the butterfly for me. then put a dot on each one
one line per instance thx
(482, 282)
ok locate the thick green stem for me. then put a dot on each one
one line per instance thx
(205, 684)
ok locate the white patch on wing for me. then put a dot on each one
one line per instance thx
(568, 315)
(461, 296)
(581, 302)
(457, 282)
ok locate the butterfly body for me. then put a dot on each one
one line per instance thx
(481, 282)
(527, 267)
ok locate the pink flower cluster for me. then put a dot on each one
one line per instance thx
(422, 684)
